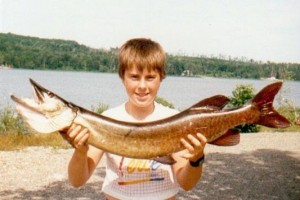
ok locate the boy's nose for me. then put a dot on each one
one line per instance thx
(142, 84)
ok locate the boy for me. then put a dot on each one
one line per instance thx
(141, 68)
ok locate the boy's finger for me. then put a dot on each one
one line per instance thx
(187, 145)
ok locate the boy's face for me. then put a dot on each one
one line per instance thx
(141, 86)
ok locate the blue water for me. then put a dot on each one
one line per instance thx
(90, 89)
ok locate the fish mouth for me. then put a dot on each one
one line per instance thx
(46, 112)
(39, 97)
(39, 91)
(41, 94)
(32, 104)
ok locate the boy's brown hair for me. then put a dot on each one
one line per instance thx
(144, 54)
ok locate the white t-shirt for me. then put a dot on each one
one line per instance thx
(128, 178)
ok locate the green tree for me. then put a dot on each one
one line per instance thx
(242, 94)
(164, 102)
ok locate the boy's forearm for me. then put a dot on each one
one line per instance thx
(78, 169)
(188, 176)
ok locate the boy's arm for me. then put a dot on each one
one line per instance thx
(85, 158)
(82, 165)
(187, 175)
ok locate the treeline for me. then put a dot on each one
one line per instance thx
(232, 68)
(36, 53)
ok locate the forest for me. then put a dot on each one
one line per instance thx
(26, 52)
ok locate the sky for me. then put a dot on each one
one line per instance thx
(263, 30)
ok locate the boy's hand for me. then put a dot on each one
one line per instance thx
(77, 136)
(195, 146)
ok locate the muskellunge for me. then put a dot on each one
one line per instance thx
(48, 112)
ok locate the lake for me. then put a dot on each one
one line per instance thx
(90, 89)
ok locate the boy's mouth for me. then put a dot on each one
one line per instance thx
(142, 95)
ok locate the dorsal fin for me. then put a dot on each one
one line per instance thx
(213, 103)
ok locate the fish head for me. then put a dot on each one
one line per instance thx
(46, 112)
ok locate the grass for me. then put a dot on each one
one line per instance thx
(10, 142)
(15, 134)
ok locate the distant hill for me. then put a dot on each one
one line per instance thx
(53, 54)
(36, 53)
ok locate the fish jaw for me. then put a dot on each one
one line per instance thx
(47, 112)
(41, 123)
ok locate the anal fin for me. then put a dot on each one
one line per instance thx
(230, 138)
(168, 160)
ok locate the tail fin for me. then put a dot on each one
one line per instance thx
(264, 101)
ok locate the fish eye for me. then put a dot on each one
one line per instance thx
(50, 94)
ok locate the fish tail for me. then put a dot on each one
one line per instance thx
(264, 102)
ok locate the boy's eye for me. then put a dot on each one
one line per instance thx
(134, 76)
(150, 78)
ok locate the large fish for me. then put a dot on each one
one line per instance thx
(49, 112)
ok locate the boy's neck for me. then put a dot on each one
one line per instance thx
(139, 113)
